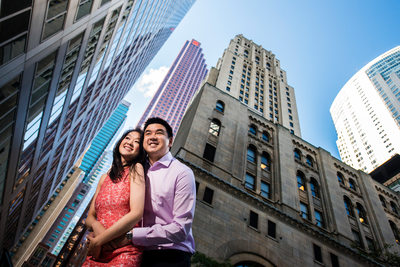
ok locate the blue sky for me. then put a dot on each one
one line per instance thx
(320, 44)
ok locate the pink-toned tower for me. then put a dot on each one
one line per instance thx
(178, 87)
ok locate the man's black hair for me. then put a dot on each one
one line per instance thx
(159, 121)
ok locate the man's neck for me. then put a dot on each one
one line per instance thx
(154, 159)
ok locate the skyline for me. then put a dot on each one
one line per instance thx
(356, 33)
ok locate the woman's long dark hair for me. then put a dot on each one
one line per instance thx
(117, 168)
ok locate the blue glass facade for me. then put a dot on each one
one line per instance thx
(103, 138)
(385, 76)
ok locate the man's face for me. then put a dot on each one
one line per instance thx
(156, 142)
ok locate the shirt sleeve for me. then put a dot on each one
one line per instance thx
(183, 211)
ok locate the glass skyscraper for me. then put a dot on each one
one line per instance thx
(64, 68)
(179, 85)
(366, 113)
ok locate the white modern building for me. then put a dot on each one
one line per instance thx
(366, 113)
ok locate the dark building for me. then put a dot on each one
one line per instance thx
(64, 67)
(388, 173)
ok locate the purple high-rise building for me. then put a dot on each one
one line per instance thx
(179, 85)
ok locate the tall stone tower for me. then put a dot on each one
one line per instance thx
(253, 75)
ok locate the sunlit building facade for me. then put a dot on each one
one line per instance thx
(252, 74)
(178, 87)
(64, 68)
(366, 113)
(266, 197)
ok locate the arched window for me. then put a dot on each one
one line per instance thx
(309, 161)
(265, 161)
(314, 188)
(394, 207)
(220, 106)
(257, 60)
(268, 66)
(348, 206)
(265, 136)
(297, 154)
(251, 154)
(250, 181)
(248, 264)
(383, 201)
(215, 127)
(362, 215)
(246, 53)
(352, 184)
(395, 231)
(340, 178)
(253, 129)
(301, 184)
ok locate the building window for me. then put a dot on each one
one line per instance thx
(265, 190)
(251, 154)
(209, 152)
(314, 188)
(304, 211)
(253, 219)
(250, 181)
(297, 154)
(265, 137)
(394, 207)
(395, 231)
(56, 13)
(208, 195)
(357, 238)
(271, 229)
(340, 178)
(370, 244)
(253, 130)
(220, 106)
(352, 184)
(301, 181)
(383, 201)
(348, 206)
(309, 161)
(215, 127)
(228, 89)
(334, 260)
(265, 161)
(83, 9)
(318, 218)
(317, 253)
(362, 215)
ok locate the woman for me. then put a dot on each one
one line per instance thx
(118, 204)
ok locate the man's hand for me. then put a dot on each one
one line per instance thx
(116, 243)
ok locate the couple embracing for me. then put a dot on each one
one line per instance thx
(143, 208)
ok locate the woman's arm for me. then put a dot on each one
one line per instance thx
(91, 222)
(136, 202)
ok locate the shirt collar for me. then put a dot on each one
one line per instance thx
(165, 160)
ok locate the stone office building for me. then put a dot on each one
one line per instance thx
(265, 197)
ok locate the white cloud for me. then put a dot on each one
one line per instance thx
(151, 80)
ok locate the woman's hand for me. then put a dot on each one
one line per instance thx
(94, 249)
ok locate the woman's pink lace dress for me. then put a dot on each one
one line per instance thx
(111, 204)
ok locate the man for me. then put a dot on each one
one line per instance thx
(170, 201)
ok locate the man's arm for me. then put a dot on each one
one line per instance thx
(183, 212)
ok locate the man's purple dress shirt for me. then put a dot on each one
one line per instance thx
(169, 207)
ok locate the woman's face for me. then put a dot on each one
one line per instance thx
(129, 147)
